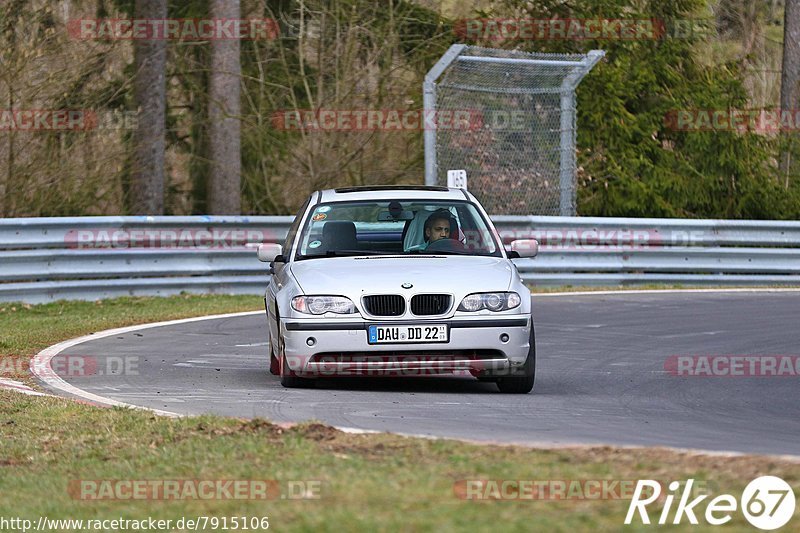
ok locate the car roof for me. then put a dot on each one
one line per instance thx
(393, 192)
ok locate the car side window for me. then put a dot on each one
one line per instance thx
(292, 234)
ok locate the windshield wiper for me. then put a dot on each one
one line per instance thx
(447, 252)
(357, 252)
(346, 253)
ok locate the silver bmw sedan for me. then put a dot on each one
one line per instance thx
(398, 281)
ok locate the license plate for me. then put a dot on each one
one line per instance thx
(407, 334)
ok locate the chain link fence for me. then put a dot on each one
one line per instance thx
(518, 143)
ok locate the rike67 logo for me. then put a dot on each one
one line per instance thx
(768, 503)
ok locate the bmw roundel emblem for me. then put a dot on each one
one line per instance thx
(406, 285)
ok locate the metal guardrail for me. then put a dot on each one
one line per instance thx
(57, 232)
(666, 231)
(47, 259)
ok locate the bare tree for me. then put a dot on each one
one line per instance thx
(336, 55)
(147, 175)
(7, 176)
(224, 117)
(790, 75)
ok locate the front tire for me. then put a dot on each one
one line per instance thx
(521, 384)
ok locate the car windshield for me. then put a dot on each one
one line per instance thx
(396, 227)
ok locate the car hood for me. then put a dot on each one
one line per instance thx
(451, 274)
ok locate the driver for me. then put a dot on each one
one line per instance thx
(437, 227)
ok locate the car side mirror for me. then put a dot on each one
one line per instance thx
(278, 259)
(269, 252)
(524, 248)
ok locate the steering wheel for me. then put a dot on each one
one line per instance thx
(445, 245)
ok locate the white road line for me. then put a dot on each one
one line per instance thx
(253, 344)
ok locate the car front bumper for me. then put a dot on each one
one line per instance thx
(339, 347)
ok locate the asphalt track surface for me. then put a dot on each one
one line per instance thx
(601, 377)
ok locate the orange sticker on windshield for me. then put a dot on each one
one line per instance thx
(319, 216)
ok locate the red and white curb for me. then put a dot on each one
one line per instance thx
(16, 386)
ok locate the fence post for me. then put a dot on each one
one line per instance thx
(429, 106)
(567, 178)
(567, 162)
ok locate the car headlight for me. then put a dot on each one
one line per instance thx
(319, 305)
(493, 301)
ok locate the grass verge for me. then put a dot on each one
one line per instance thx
(325, 479)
